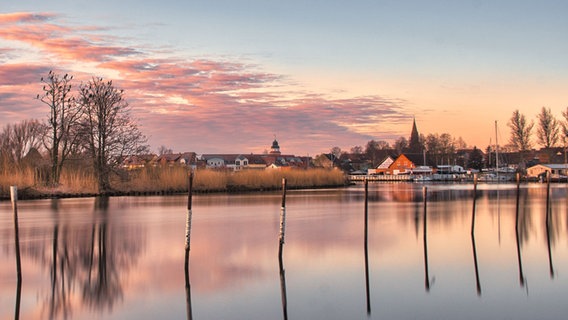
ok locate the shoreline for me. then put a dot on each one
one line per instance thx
(33, 194)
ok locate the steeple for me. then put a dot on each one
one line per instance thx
(414, 142)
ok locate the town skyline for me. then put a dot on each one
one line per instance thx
(229, 76)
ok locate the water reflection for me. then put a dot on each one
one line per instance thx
(86, 263)
(425, 240)
(121, 257)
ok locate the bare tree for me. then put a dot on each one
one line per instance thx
(547, 131)
(108, 133)
(565, 127)
(520, 131)
(357, 150)
(164, 150)
(18, 139)
(336, 151)
(400, 144)
(60, 140)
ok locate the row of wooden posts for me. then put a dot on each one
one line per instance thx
(281, 241)
(281, 237)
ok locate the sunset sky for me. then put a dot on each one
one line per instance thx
(229, 75)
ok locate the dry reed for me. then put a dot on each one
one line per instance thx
(173, 179)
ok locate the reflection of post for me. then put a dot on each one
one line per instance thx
(548, 222)
(550, 265)
(18, 299)
(14, 198)
(477, 281)
(517, 238)
(425, 241)
(367, 247)
(473, 235)
(280, 248)
(187, 246)
(188, 292)
(282, 283)
(547, 192)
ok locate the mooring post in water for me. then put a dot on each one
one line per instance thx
(474, 201)
(283, 212)
(187, 244)
(280, 247)
(366, 247)
(548, 209)
(189, 213)
(14, 198)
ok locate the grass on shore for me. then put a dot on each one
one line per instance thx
(171, 179)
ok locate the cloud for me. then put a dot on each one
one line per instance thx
(24, 17)
(203, 105)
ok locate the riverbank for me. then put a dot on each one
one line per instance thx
(172, 180)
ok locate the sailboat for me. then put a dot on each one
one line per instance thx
(496, 174)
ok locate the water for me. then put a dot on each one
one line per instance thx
(124, 258)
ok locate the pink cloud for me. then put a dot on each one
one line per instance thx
(24, 17)
(202, 105)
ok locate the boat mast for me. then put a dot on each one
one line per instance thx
(496, 151)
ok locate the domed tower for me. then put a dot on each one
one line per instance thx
(275, 148)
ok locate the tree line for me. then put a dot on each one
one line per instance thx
(550, 131)
(92, 122)
(442, 148)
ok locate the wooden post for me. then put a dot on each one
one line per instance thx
(189, 313)
(474, 201)
(283, 213)
(14, 198)
(284, 186)
(280, 249)
(189, 189)
(189, 213)
(367, 247)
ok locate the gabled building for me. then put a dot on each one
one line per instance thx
(402, 165)
(553, 168)
(383, 166)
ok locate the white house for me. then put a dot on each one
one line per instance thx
(554, 169)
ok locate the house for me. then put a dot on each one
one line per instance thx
(402, 165)
(541, 169)
(383, 166)
(168, 159)
(139, 161)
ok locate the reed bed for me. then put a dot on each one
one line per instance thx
(170, 180)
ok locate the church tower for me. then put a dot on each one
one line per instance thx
(275, 148)
(414, 145)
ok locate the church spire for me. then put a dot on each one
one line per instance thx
(414, 145)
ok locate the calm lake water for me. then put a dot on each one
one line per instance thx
(123, 258)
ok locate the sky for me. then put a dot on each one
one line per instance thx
(230, 76)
